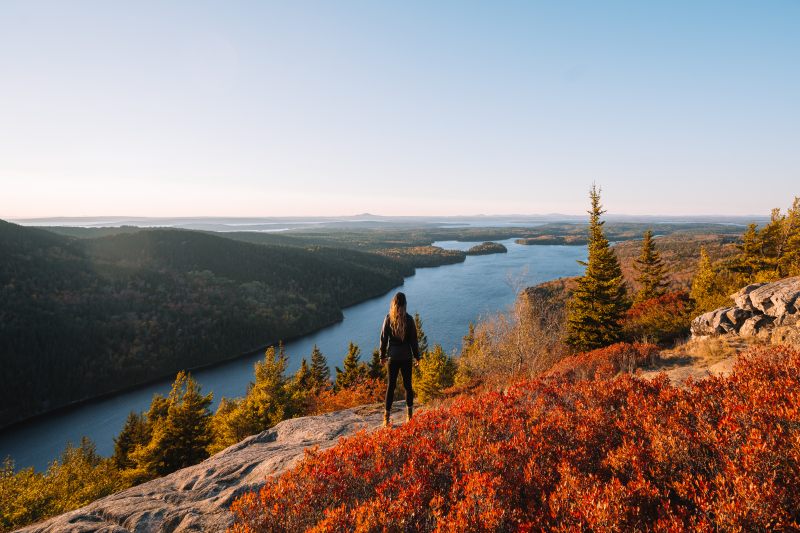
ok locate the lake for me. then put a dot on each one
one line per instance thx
(447, 298)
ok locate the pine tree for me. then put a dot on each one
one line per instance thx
(268, 400)
(422, 339)
(600, 298)
(303, 379)
(436, 372)
(377, 370)
(229, 425)
(134, 433)
(652, 273)
(354, 370)
(789, 261)
(469, 339)
(705, 290)
(773, 240)
(181, 438)
(320, 372)
(749, 260)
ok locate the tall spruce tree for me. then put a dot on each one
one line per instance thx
(652, 272)
(354, 370)
(600, 298)
(320, 372)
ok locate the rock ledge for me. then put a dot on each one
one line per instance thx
(197, 498)
(766, 310)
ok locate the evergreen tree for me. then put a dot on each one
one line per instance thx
(422, 339)
(599, 300)
(652, 273)
(469, 339)
(789, 262)
(229, 425)
(302, 378)
(705, 287)
(354, 370)
(436, 372)
(268, 400)
(134, 433)
(377, 370)
(320, 372)
(180, 438)
(773, 239)
(749, 260)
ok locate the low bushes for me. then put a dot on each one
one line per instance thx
(609, 361)
(660, 320)
(563, 454)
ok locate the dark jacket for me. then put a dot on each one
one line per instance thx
(398, 349)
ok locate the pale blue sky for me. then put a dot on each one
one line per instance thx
(397, 108)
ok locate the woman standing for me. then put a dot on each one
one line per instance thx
(399, 345)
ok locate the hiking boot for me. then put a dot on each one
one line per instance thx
(409, 413)
(386, 420)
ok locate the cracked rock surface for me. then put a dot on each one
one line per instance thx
(767, 310)
(197, 498)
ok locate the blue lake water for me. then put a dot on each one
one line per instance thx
(447, 298)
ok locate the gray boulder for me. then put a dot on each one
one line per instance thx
(777, 298)
(759, 308)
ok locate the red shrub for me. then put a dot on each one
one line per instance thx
(365, 392)
(607, 362)
(560, 454)
(659, 320)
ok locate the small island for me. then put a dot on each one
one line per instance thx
(552, 239)
(486, 248)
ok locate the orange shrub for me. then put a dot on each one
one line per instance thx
(660, 320)
(561, 454)
(366, 392)
(607, 362)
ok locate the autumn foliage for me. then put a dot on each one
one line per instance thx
(563, 454)
(607, 362)
(662, 319)
(365, 391)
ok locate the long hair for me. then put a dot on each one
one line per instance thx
(397, 316)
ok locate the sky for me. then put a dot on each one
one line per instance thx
(302, 108)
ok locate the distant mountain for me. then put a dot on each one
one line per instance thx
(83, 317)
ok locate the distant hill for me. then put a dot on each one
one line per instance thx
(83, 317)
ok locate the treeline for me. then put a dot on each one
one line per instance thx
(179, 430)
(79, 318)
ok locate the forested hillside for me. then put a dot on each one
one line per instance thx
(83, 317)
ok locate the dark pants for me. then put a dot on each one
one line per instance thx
(394, 368)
